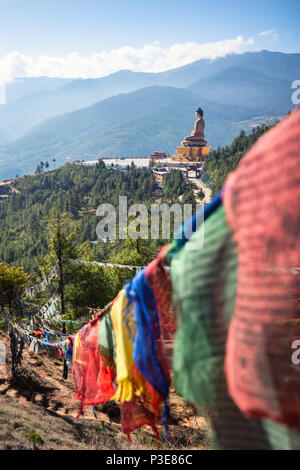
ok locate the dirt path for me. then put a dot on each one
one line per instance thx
(10, 185)
(200, 185)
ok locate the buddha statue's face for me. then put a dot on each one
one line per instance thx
(198, 116)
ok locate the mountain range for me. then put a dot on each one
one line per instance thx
(246, 87)
(132, 113)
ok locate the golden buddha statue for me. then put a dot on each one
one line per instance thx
(194, 147)
(196, 139)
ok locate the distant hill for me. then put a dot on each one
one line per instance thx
(132, 124)
(4, 137)
(21, 86)
(274, 64)
(31, 101)
(246, 87)
(33, 107)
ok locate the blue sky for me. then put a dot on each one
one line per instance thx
(32, 29)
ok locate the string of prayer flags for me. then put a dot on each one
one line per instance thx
(104, 265)
(31, 291)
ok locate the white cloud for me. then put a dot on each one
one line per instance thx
(272, 33)
(149, 58)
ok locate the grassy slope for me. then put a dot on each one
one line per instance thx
(40, 399)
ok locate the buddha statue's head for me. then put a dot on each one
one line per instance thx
(199, 113)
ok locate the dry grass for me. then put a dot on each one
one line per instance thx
(38, 398)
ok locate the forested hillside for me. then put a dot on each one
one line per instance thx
(223, 160)
(76, 190)
(29, 203)
(38, 212)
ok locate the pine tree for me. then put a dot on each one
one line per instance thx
(61, 245)
(12, 284)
